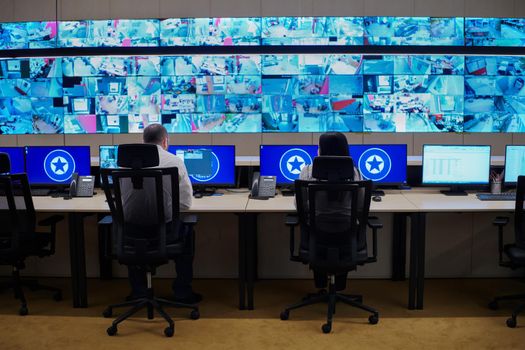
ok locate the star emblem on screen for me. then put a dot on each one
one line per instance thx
(295, 164)
(375, 164)
(59, 165)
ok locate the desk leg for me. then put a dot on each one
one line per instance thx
(421, 260)
(242, 260)
(104, 246)
(399, 239)
(77, 255)
(251, 256)
(412, 283)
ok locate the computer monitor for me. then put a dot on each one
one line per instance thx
(383, 164)
(54, 165)
(514, 163)
(208, 165)
(285, 161)
(456, 166)
(16, 155)
(107, 156)
(80, 105)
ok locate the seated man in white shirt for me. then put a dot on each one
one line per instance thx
(133, 207)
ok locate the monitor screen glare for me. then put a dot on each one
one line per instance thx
(51, 165)
(456, 165)
(208, 165)
(514, 163)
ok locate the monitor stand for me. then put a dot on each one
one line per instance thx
(454, 191)
(287, 191)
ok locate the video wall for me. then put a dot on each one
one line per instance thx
(449, 31)
(263, 93)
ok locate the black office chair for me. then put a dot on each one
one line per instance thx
(515, 252)
(142, 241)
(19, 238)
(333, 217)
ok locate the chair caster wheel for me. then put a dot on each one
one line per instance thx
(23, 311)
(57, 296)
(326, 328)
(168, 331)
(195, 315)
(493, 305)
(373, 319)
(511, 322)
(107, 313)
(285, 315)
(112, 331)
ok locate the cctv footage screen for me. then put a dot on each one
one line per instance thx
(259, 92)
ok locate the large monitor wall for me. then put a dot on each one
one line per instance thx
(263, 92)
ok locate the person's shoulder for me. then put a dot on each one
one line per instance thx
(306, 172)
(168, 159)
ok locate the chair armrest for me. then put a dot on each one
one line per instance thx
(292, 220)
(374, 222)
(106, 220)
(189, 219)
(51, 221)
(500, 221)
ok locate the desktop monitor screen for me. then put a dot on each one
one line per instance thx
(286, 161)
(51, 165)
(208, 165)
(385, 164)
(456, 165)
(514, 163)
(108, 156)
(16, 155)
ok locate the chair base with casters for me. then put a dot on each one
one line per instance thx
(511, 321)
(332, 297)
(17, 285)
(152, 304)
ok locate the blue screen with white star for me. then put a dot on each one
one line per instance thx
(386, 164)
(16, 155)
(208, 165)
(286, 161)
(52, 165)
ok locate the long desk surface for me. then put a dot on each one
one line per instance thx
(432, 202)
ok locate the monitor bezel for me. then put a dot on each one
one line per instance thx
(505, 182)
(279, 183)
(379, 145)
(210, 184)
(454, 184)
(54, 184)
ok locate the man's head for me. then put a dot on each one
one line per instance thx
(156, 134)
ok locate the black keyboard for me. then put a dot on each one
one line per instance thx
(40, 192)
(505, 196)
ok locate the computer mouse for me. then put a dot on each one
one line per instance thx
(198, 195)
(377, 198)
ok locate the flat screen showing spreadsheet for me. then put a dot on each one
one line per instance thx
(456, 165)
(514, 163)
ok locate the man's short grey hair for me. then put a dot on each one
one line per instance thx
(154, 133)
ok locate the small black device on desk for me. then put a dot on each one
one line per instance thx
(81, 186)
(504, 196)
(263, 187)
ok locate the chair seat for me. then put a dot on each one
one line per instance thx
(32, 244)
(515, 254)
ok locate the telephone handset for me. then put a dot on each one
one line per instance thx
(263, 187)
(82, 186)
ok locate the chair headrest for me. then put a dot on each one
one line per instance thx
(333, 168)
(137, 156)
(5, 163)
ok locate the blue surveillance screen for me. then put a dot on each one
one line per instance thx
(286, 161)
(16, 155)
(386, 164)
(208, 165)
(50, 165)
(108, 156)
(514, 163)
(456, 165)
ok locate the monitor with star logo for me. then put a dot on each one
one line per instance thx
(383, 164)
(55, 165)
(286, 161)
